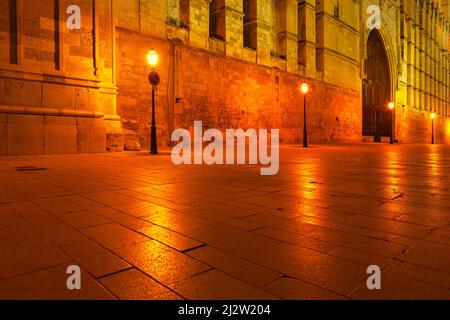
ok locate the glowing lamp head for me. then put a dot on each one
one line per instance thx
(391, 105)
(304, 88)
(152, 58)
(433, 116)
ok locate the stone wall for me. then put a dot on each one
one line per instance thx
(414, 126)
(261, 89)
(224, 93)
(57, 91)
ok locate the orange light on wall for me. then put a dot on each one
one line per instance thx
(432, 116)
(391, 106)
(304, 88)
(152, 58)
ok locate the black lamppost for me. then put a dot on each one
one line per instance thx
(432, 116)
(154, 80)
(391, 106)
(304, 88)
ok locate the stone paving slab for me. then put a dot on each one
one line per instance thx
(161, 262)
(215, 285)
(142, 228)
(135, 285)
(28, 256)
(114, 236)
(235, 266)
(399, 287)
(336, 275)
(50, 284)
(94, 258)
(293, 289)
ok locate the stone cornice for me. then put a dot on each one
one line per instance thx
(50, 112)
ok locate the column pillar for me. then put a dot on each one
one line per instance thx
(234, 27)
(307, 37)
(199, 23)
(263, 30)
(291, 39)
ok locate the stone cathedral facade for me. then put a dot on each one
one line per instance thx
(229, 63)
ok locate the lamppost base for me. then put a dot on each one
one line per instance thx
(305, 139)
(153, 142)
(432, 131)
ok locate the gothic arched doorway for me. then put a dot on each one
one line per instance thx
(376, 90)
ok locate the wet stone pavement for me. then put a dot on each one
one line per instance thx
(141, 228)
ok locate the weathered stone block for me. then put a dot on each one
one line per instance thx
(217, 45)
(3, 150)
(90, 122)
(58, 96)
(60, 135)
(127, 14)
(91, 139)
(249, 55)
(155, 13)
(177, 34)
(131, 141)
(25, 134)
(2, 92)
(199, 26)
(132, 145)
(115, 142)
(87, 99)
(114, 135)
(107, 103)
(23, 93)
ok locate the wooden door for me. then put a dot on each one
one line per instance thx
(376, 90)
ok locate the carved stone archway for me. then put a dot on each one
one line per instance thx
(377, 88)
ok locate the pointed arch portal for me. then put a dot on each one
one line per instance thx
(376, 89)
